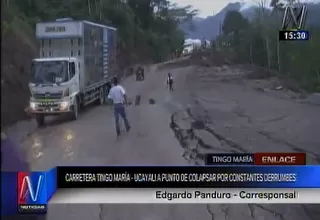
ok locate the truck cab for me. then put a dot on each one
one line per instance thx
(54, 84)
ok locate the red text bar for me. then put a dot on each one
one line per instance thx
(280, 159)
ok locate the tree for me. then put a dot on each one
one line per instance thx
(234, 23)
(257, 42)
(235, 30)
(147, 29)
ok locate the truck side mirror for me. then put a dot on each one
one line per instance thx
(31, 69)
(72, 69)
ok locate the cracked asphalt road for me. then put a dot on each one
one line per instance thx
(200, 116)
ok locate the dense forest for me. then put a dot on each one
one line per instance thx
(147, 29)
(256, 42)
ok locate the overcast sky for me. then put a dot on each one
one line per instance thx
(207, 7)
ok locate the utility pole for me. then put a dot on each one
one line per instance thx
(100, 4)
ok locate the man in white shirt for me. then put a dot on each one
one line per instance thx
(118, 95)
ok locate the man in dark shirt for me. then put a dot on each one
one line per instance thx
(170, 82)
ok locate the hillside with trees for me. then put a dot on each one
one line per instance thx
(210, 27)
(147, 32)
(256, 42)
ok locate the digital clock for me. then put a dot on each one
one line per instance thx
(293, 35)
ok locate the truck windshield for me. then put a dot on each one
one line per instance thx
(49, 72)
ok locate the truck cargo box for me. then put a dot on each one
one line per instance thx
(99, 51)
(110, 51)
(93, 44)
(93, 53)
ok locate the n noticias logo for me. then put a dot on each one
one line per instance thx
(294, 16)
(32, 192)
(31, 188)
(27, 188)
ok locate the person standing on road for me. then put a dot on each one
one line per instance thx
(170, 82)
(118, 96)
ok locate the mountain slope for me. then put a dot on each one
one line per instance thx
(209, 27)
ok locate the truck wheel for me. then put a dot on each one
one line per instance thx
(40, 120)
(102, 97)
(75, 110)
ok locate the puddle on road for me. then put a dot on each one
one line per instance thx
(36, 148)
(68, 147)
(61, 146)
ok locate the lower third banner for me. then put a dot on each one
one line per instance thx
(29, 192)
(189, 177)
(186, 195)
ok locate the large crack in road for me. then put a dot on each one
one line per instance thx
(185, 127)
(192, 143)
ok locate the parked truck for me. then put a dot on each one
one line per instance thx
(77, 60)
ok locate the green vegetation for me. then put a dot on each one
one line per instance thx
(147, 29)
(256, 42)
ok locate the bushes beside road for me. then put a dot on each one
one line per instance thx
(256, 42)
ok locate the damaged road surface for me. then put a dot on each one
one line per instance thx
(202, 115)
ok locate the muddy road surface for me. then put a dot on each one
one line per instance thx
(223, 116)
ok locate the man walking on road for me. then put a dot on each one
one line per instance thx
(118, 95)
(170, 82)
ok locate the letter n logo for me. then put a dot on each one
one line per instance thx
(293, 17)
(31, 188)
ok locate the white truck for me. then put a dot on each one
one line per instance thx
(77, 61)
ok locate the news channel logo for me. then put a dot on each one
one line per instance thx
(31, 192)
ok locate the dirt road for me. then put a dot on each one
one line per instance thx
(225, 117)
